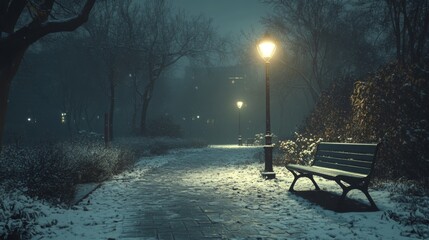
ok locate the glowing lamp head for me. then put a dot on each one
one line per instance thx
(239, 104)
(266, 48)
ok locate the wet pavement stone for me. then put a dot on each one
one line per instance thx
(160, 207)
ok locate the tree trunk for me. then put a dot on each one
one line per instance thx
(134, 118)
(395, 15)
(112, 79)
(8, 70)
(147, 96)
(4, 93)
(136, 93)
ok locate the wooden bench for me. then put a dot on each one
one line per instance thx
(348, 164)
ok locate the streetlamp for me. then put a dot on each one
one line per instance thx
(239, 105)
(266, 49)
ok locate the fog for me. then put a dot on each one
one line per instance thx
(177, 68)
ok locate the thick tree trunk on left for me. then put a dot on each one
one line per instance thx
(8, 69)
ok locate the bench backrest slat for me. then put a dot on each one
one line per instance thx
(339, 166)
(344, 161)
(350, 157)
(367, 148)
(368, 158)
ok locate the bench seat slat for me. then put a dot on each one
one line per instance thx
(341, 167)
(356, 156)
(348, 147)
(324, 172)
(341, 161)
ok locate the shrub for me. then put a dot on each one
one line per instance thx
(18, 215)
(42, 170)
(51, 171)
(299, 150)
(95, 162)
(389, 107)
(260, 139)
(49, 174)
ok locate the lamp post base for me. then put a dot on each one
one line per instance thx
(268, 175)
(268, 172)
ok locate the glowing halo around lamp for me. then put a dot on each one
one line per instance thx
(267, 48)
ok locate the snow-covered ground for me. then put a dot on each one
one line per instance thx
(232, 173)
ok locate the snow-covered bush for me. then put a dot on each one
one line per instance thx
(42, 170)
(260, 139)
(95, 162)
(301, 149)
(51, 171)
(18, 214)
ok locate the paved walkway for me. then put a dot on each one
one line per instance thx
(163, 206)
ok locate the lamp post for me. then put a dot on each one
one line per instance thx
(240, 140)
(266, 49)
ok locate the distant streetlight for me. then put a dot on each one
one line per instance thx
(266, 49)
(239, 105)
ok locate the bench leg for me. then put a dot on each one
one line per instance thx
(373, 206)
(296, 177)
(347, 189)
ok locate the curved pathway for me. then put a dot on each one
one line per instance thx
(170, 203)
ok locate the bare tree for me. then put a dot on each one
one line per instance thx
(325, 39)
(112, 38)
(16, 37)
(409, 21)
(166, 38)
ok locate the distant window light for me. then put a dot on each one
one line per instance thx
(236, 78)
(198, 116)
(183, 118)
(63, 117)
(210, 121)
(28, 119)
(196, 88)
(233, 81)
